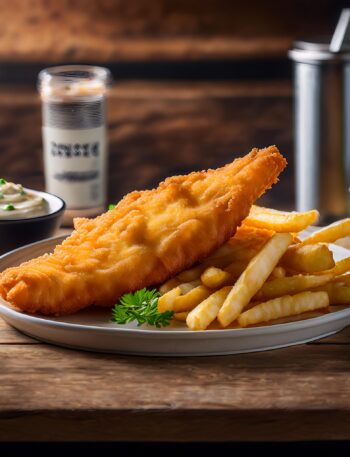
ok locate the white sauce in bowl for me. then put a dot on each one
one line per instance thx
(18, 203)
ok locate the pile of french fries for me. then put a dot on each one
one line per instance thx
(264, 273)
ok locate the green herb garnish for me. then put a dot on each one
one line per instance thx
(9, 207)
(141, 306)
(2, 181)
(1, 195)
(111, 206)
(23, 192)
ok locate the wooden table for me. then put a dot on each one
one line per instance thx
(50, 393)
(54, 394)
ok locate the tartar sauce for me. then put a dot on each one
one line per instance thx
(17, 203)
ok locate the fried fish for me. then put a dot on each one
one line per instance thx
(147, 238)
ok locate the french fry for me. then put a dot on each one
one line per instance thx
(191, 299)
(300, 317)
(195, 273)
(291, 285)
(330, 233)
(284, 307)
(338, 295)
(280, 221)
(182, 316)
(204, 313)
(308, 259)
(253, 277)
(342, 279)
(166, 301)
(220, 262)
(244, 253)
(191, 275)
(343, 242)
(241, 253)
(243, 246)
(168, 285)
(341, 267)
(237, 267)
(215, 277)
(221, 252)
(186, 287)
(277, 272)
(261, 255)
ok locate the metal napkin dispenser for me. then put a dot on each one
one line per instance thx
(322, 122)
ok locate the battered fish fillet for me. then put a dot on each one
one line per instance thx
(149, 237)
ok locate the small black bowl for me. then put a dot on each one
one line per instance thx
(18, 232)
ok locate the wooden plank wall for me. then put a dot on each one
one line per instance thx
(160, 126)
(110, 30)
(158, 129)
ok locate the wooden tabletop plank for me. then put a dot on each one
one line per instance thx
(304, 390)
(175, 426)
(9, 335)
(295, 378)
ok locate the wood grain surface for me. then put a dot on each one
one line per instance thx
(297, 393)
(157, 129)
(110, 30)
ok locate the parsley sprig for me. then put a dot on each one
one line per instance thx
(141, 306)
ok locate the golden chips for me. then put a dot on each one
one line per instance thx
(284, 306)
(253, 277)
(280, 221)
(261, 274)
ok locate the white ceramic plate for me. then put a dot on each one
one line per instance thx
(92, 330)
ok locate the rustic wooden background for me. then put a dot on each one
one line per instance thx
(197, 82)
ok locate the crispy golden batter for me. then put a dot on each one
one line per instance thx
(149, 237)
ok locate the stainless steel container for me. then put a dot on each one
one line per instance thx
(322, 123)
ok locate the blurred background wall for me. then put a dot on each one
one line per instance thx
(197, 82)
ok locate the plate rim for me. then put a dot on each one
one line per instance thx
(10, 312)
(259, 330)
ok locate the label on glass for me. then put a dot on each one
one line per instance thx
(75, 165)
